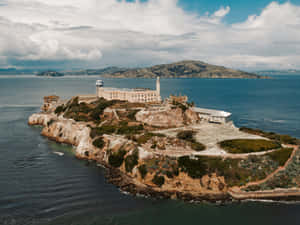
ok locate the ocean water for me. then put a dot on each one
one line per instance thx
(38, 186)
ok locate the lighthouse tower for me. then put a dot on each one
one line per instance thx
(99, 88)
(158, 88)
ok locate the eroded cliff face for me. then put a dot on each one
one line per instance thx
(167, 118)
(77, 134)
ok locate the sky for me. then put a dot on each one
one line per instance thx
(71, 34)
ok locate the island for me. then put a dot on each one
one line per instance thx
(170, 148)
(50, 73)
(184, 69)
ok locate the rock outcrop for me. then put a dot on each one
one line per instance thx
(77, 134)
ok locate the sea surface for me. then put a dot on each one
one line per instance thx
(38, 186)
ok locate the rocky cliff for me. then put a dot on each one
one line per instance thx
(156, 150)
(130, 178)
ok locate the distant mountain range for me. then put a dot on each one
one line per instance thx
(183, 69)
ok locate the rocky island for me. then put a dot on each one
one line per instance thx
(172, 149)
(50, 74)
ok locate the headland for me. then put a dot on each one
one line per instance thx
(172, 149)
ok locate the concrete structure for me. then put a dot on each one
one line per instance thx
(213, 116)
(132, 95)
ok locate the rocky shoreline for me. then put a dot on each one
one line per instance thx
(165, 177)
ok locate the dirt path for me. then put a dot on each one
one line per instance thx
(281, 168)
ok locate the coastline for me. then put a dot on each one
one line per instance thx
(68, 131)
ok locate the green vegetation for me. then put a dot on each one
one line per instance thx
(59, 109)
(143, 139)
(235, 171)
(99, 143)
(104, 129)
(188, 135)
(281, 156)
(131, 114)
(248, 145)
(285, 139)
(101, 105)
(158, 180)
(124, 129)
(132, 160)
(116, 159)
(143, 170)
(197, 146)
(50, 122)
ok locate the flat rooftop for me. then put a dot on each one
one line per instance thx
(127, 89)
(212, 112)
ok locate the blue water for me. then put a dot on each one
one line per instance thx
(40, 187)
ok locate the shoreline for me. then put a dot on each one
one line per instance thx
(210, 186)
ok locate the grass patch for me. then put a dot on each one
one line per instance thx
(124, 129)
(248, 145)
(188, 135)
(116, 159)
(99, 143)
(143, 170)
(59, 109)
(282, 138)
(281, 156)
(143, 139)
(158, 180)
(131, 161)
(131, 114)
(104, 129)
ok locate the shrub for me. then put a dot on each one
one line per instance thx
(50, 122)
(132, 113)
(143, 139)
(124, 129)
(99, 143)
(187, 135)
(78, 118)
(197, 146)
(131, 161)
(285, 139)
(158, 180)
(116, 159)
(104, 129)
(248, 145)
(193, 167)
(169, 174)
(101, 105)
(143, 170)
(59, 109)
(281, 156)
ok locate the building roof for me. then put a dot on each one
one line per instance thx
(212, 112)
(127, 89)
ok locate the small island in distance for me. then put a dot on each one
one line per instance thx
(50, 73)
(182, 69)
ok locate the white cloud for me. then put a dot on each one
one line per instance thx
(97, 33)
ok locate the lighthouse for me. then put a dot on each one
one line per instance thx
(158, 87)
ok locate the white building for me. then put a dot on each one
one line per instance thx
(213, 116)
(132, 95)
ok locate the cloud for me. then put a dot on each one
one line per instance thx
(92, 33)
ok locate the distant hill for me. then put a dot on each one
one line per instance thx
(184, 69)
(50, 74)
(106, 70)
(278, 72)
